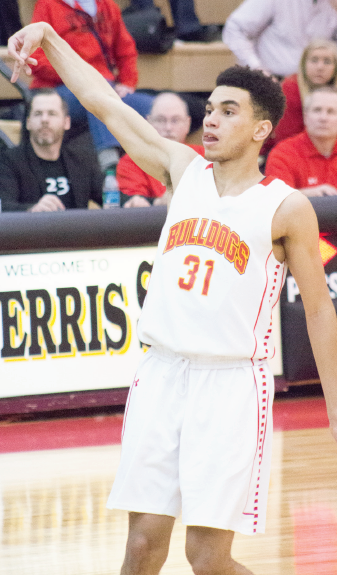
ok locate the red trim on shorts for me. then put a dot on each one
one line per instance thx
(261, 436)
(278, 297)
(281, 286)
(267, 180)
(264, 293)
(266, 418)
(257, 440)
(261, 431)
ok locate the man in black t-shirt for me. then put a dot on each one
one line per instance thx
(43, 174)
(47, 122)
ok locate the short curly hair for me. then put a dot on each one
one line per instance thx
(266, 94)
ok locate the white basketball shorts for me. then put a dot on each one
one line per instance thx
(197, 439)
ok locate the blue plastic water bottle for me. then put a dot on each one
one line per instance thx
(111, 193)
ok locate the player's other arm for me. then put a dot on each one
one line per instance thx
(299, 228)
(156, 155)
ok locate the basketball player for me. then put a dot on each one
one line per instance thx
(198, 428)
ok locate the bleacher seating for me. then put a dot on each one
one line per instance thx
(187, 67)
(190, 67)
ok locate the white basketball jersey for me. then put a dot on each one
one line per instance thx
(215, 279)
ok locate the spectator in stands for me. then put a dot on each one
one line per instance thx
(95, 30)
(43, 174)
(187, 25)
(169, 116)
(308, 161)
(271, 35)
(318, 68)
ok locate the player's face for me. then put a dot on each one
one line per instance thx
(47, 121)
(320, 116)
(229, 124)
(320, 66)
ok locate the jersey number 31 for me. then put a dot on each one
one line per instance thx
(188, 283)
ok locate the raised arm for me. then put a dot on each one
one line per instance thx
(298, 225)
(161, 158)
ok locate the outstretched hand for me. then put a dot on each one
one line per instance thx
(22, 44)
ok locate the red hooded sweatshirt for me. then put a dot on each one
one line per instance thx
(75, 26)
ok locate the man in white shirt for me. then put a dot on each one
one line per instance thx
(271, 35)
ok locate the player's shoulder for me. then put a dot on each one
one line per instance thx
(182, 155)
(293, 201)
(294, 213)
(275, 186)
(186, 165)
(272, 182)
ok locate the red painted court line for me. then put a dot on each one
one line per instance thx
(315, 540)
(300, 414)
(61, 433)
(106, 430)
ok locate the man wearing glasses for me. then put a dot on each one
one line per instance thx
(170, 117)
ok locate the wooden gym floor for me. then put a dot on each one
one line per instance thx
(55, 477)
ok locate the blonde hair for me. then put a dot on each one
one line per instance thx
(303, 82)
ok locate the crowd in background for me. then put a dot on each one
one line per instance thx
(65, 151)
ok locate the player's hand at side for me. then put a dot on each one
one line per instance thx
(22, 44)
(48, 203)
(331, 404)
(333, 427)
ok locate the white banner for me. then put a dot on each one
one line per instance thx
(69, 320)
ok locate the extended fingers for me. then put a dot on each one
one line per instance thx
(16, 71)
(14, 48)
(19, 65)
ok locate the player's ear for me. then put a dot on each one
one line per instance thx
(262, 130)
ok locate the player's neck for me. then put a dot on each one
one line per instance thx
(234, 177)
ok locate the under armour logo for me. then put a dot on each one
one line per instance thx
(312, 181)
